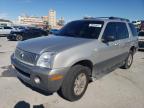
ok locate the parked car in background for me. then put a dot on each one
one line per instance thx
(136, 22)
(27, 33)
(53, 31)
(142, 26)
(141, 40)
(5, 30)
(19, 28)
(82, 51)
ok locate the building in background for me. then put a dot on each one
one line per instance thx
(30, 20)
(47, 22)
(45, 18)
(4, 22)
(61, 21)
(52, 18)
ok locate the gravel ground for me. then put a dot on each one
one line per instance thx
(119, 89)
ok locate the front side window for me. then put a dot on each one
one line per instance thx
(133, 29)
(82, 29)
(110, 30)
(122, 31)
(117, 30)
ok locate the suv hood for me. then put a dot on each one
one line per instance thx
(51, 43)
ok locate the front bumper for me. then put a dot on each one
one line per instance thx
(27, 74)
(11, 37)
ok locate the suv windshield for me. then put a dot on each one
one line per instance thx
(82, 29)
(141, 34)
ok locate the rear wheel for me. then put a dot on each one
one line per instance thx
(128, 61)
(75, 83)
(19, 37)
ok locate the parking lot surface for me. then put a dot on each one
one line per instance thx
(118, 89)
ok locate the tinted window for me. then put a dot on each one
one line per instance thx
(7, 28)
(110, 30)
(133, 29)
(122, 31)
(141, 33)
(82, 29)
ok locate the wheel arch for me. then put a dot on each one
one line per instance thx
(133, 49)
(86, 63)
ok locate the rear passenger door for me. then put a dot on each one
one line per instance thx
(124, 41)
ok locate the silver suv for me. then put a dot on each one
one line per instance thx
(82, 51)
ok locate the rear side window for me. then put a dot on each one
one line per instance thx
(133, 29)
(122, 31)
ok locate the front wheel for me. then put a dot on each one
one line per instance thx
(19, 37)
(75, 83)
(128, 61)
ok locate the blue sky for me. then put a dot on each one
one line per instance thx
(73, 9)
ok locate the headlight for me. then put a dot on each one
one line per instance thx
(46, 59)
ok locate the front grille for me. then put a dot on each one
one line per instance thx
(26, 57)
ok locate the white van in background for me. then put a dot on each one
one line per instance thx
(4, 31)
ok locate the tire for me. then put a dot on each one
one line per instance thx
(19, 38)
(71, 89)
(128, 61)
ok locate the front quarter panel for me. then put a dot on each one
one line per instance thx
(69, 57)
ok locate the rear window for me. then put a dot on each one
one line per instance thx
(133, 29)
(141, 34)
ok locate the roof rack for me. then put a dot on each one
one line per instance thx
(112, 18)
(89, 17)
(123, 19)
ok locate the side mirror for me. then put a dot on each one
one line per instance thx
(109, 39)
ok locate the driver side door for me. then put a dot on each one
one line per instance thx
(108, 51)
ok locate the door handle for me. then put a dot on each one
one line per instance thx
(116, 44)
